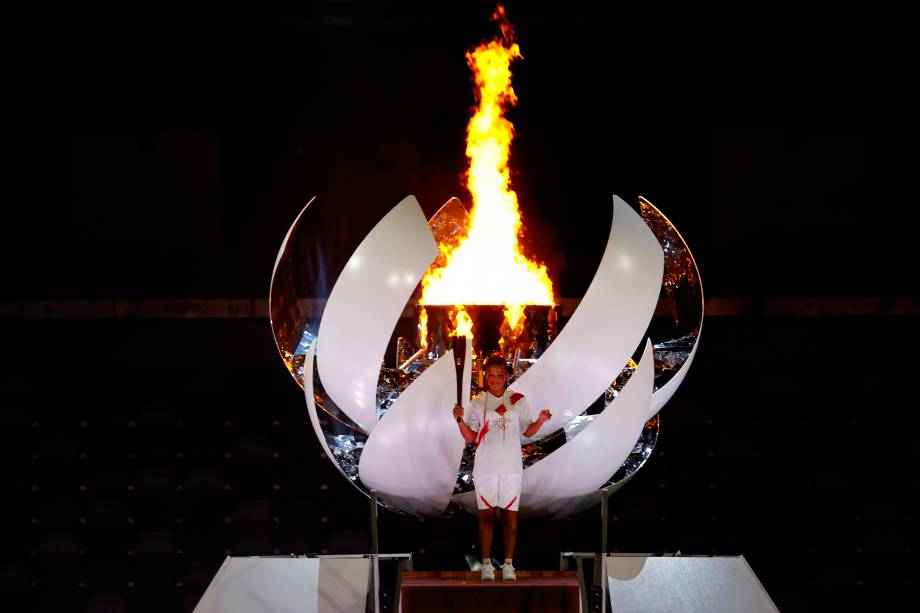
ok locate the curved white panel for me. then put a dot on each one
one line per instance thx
(414, 453)
(581, 466)
(311, 403)
(605, 329)
(661, 396)
(365, 304)
(577, 505)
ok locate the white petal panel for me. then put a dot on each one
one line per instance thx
(365, 305)
(577, 505)
(584, 464)
(605, 329)
(311, 403)
(413, 455)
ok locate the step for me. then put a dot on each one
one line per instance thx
(455, 591)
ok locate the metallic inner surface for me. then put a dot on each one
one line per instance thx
(295, 315)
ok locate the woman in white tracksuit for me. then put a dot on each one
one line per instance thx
(495, 421)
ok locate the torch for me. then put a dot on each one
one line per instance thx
(459, 362)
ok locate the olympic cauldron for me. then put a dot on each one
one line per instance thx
(380, 404)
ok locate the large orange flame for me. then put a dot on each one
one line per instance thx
(487, 265)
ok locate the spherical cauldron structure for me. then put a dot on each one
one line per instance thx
(605, 371)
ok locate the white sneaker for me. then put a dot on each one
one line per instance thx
(508, 573)
(488, 573)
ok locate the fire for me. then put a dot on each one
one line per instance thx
(463, 324)
(487, 265)
(423, 327)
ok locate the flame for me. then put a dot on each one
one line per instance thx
(463, 323)
(513, 315)
(423, 327)
(487, 265)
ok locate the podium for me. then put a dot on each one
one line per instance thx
(453, 591)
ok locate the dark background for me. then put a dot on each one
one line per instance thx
(162, 154)
(185, 141)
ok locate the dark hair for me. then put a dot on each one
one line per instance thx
(496, 358)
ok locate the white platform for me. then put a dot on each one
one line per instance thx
(684, 584)
(288, 585)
